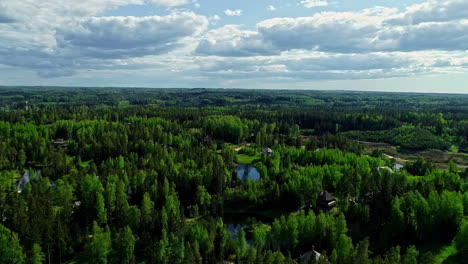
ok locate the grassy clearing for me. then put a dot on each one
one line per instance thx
(443, 253)
(246, 159)
(441, 158)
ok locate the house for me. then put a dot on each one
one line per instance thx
(326, 201)
(308, 256)
(267, 152)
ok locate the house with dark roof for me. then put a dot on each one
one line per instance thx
(326, 201)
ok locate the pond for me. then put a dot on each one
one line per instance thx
(234, 229)
(247, 171)
(234, 222)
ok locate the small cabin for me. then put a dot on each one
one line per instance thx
(267, 152)
(326, 201)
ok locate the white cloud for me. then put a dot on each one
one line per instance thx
(230, 12)
(214, 19)
(329, 66)
(447, 36)
(370, 30)
(314, 3)
(57, 39)
(231, 41)
(130, 36)
(169, 3)
(432, 11)
(271, 8)
(5, 17)
(316, 61)
(327, 31)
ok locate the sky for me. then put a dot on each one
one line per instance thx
(368, 45)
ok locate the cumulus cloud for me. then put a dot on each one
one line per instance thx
(322, 66)
(432, 11)
(327, 31)
(377, 42)
(342, 32)
(314, 3)
(130, 36)
(316, 61)
(214, 19)
(271, 8)
(448, 36)
(170, 3)
(369, 30)
(56, 37)
(230, 12)
(231, 41)
(5, 17)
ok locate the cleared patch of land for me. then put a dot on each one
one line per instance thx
(246, 159)
(443, 253)
(440, 158)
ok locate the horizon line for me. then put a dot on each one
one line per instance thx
(225, 88)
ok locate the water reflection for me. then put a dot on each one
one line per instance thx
(247, 171)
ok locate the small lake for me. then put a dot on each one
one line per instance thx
(247, 171)
(235, 222)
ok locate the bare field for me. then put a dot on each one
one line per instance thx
(441, 158)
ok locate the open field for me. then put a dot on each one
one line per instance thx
(440, 158)
(246, 159)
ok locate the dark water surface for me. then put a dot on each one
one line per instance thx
(247, 171)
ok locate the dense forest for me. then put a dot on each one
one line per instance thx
(120, 175)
